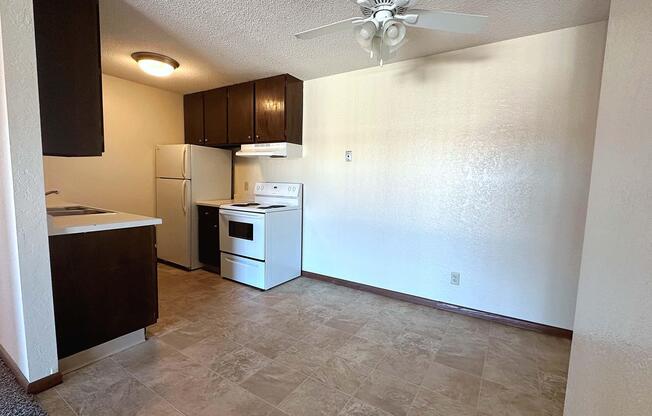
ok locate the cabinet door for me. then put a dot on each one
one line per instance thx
(104, 286)
(209, 236)
(270, 109)
(67, 35)
(215, 116)
(241, 113)
(193, 118)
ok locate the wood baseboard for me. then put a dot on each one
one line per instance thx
(505, 320)
(34, 387)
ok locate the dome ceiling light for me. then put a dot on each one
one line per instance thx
(155, 63)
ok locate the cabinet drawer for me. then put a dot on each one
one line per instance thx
(243, 270)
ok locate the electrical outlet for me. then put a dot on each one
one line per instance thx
(348, 156)
(455, 278)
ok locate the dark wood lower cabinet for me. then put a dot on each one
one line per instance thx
(104, 285)
(209, 237)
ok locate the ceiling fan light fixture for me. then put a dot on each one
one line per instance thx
(155, 64)
(365, 34)
(394, 33)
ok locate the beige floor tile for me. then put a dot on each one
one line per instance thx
(128, 398)
(381, 332)
(414, 341)
(428, 403)
(240, 364)
(388, 393)
(210, 351)
(295, 325)
(105, 388)
(273, 382)
(475, 325)
(463, 354)
(314, 398)
(53, 404)
(356, 407)
(342, 374)
(189, 335)
(153, 359)
(410, 364)
(198, 391)
(363, 351)
(497, 400)
(271, 343)
(452, 383)
(326, 337)
(304, 357)
(513, 372)
(166, 324)
(79, 386)
(347, 322)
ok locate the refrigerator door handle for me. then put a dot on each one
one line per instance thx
(185, 193)
(185, 151)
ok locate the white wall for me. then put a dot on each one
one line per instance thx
(26, 311)
(12, 328)
(136, 119)
(611, 361)
(475, 161)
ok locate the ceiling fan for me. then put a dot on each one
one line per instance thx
(382, 29)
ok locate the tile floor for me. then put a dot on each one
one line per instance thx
(313, 348)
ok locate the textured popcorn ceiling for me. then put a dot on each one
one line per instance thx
(227, 41)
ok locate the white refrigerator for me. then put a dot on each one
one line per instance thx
(186, 174)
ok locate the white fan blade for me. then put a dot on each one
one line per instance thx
(328, 29)
(449, 21)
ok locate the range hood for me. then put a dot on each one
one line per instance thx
(278, 150)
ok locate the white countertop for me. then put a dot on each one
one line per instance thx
(215, 202)
(75, 224)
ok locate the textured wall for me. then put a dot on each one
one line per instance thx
(12, 328)
(611, 361)
(136, 119)
(475, 161)
(23, 134)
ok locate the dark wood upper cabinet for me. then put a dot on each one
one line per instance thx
(262, 111)
(241, 113)
(193, 117)
(67, 34)
(216, 116)
(279, 109)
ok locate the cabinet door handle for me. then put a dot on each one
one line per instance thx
(248, 137)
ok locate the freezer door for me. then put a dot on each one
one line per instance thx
(173, 161)
(174, 207)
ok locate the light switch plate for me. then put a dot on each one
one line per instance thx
(348, 156)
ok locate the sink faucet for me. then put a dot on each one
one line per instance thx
(55, 191)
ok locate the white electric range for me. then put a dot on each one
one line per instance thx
(260, 241)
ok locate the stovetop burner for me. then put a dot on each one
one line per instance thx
(272, 206)
(248, 204)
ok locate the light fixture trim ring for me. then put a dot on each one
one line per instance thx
(137, 56)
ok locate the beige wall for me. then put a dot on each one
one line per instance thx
(136, 119)
(475, 161)
(611, 361)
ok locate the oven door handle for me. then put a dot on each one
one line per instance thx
(235, 214)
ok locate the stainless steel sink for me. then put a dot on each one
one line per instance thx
(75, 210)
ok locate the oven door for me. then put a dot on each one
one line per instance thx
(242, 233)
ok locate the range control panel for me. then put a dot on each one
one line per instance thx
(289, 190)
